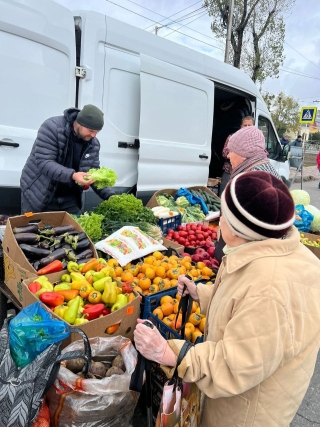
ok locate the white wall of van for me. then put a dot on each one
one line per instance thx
(159, 98)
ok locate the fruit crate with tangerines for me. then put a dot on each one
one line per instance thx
(161, 309)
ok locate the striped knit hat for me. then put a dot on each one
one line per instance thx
(247, 142)
(257, 206)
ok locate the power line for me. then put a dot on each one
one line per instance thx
(186, 25)
(299, 74)
(301, 54)
(174, 13)
(187, 35)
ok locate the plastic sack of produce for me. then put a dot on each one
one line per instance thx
(193, 200)
(303, 219)
(96, 402)
(129, 243)
(32, 331)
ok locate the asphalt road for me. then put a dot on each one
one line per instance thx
(308, 414)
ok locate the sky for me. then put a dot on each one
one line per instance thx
(300, 73)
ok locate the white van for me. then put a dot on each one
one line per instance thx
(168, 109)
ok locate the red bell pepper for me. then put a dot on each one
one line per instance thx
(106, 311)
(34, 287)
(93, 312)
(126, 287)
(51, 298)
(53, 267)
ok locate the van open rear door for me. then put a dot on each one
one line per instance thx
(37, 56)
(175, 127)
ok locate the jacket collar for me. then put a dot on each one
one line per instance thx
(261, 249)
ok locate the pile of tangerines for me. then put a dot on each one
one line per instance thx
(167, 312)
(158, 272)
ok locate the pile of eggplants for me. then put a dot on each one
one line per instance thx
(41, 246)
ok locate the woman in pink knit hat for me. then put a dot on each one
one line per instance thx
(247, 152)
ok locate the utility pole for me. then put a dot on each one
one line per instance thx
(156, 30)
(228, 41)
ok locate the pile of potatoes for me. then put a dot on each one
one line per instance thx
(97, 370)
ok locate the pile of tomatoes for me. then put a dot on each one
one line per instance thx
(192, 235)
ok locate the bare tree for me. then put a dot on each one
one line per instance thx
(257, 35)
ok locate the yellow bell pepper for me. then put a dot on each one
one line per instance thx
(85, 290)
(78, 284)
(60, 310)
(109, 295)
(80, 321)
(72, 311)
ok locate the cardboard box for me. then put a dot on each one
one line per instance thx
(172, 191)
(169, 243)
(17, 266)
(126, 316)
(313, 237)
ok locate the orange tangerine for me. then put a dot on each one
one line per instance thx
(166, 298)
(150, 273)
(194, 272)
(195, 319)
(188, 334)
(173, 259)
(186, 258)
(178, 297)
(167, 308)
(145, 266)
(157, 255)
(202, 324)
(173, 282)
(145, 283)
(149, 259)
(156, 263)
(157, 280)
(165, 265)
(195, 335)
(195, 305)
(153, 288)
(190, 326)
(158, 312)
(200, 265)
(126, 276)
(160, 271)
(206, 271)
(175, 307)
(167, 321)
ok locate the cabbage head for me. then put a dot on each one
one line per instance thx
(315, 225)
(300, 197)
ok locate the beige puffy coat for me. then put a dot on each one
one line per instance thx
(262, 335)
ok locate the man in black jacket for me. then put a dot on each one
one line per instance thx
(55, 173)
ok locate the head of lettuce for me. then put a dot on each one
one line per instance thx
(103, 177)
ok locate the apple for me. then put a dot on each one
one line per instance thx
(185, 254)
(211, 251)
(199, 251)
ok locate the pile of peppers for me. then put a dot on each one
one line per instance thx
(86, 292)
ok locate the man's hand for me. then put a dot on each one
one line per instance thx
(82, 178)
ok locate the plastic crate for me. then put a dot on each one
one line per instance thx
(172, 222)
(150, 302)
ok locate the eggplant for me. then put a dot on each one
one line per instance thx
(87, 253)
(32, 228)
(56, 231)
(57, 254)
(33, 252)
(44, 244)
(84, 260)
(27, 237)
(83, 244)
(35, 265)
(82, 236)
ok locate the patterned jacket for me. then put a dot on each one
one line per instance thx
(43, 169)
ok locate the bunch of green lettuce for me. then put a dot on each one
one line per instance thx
(103, 177)
(125, 208)
(91, 224)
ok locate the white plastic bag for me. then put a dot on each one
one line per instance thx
(129, 243)
(106, 402)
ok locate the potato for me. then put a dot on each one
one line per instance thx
(98, 369)
(114, 370)
(75, 365)
(119, 363)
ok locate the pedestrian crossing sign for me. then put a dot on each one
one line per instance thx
(308, 115)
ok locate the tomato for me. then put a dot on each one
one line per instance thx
(194, 228)
(192, 237)
(182, 240)
(202, 242)
(180, 227)
(176, 235)
(170, 231)
(191, 232)
(187, 243)
(204, 228)
(199, 236)
(183, 234)
(169, 237)
(205, 235)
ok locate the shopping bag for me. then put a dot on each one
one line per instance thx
(180, 403)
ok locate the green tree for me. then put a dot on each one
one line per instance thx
(284, 111)
(314, 137)
(257, 33)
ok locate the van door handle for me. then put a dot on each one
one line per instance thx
(7, 143)
(203, 156)
(135, 145)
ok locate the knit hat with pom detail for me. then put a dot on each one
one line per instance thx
(247, 142)
(257, 206)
